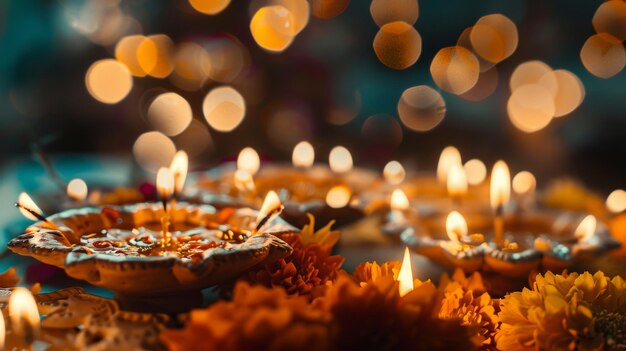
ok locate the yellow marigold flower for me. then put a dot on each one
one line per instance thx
(568, 311)
(372, 271)
(323, 236)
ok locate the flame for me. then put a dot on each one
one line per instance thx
(179, 167)
(2, 331)
(270, 204)
(23, 314)
(249, 161)
(405, 276)
(586, 228)
(338, 196)
(394, 172)
(500, 190)
(303, 155)
(524, 182)
(243, 180)
(456, 226)
(457, 180)
(449, 156)
(77, 189)
(165, 183)
(340, 159)
(24, 201)
(399, 201)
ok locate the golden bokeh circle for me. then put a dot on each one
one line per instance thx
(209, 7)
(569, 94)
(397, 45)
(224, 108)
(273, 28)
(494, 37)
(610, 17)
(603, 55)
(421, 108)
(387, 11)
(108, 81)
(455, 69)
(530, 107)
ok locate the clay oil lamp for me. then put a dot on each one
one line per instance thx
(154, 256)
(302, 186)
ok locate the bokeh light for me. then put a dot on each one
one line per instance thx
(397, 45)
(603, 55)
(382, 129)
(449, 157)
(533, 72)
(327, 9)
(300, 10)
(209, 7)
(273, 28)
(475, 171)
(386, 11)
(303, 154)
(163, 63)
(455, 69)
(524, 182)
(531, 107)
(153, 150)
(196, 139)
(139, 62)
(569, 94)
(485, 86)
(228, 59)
(610, 17)
(394, 172)
(338, 196)
(340, 159)
(77, 189)
(191, 62)
(616, 201)
(248, 160)
(421, 108)
(224, 108)
(108, 81)
(465, 41)
(170, 114)
(494, 37)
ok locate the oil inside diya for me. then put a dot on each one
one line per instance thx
(533, 241)
(122, 248)
(302, 190)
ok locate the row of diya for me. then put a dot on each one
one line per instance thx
(148, 251)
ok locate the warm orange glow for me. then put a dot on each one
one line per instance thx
(2, 331)
(153, 150)
(421, 108)
(586, 229)
(616, 201)
(449, 156)
(603, 55)
(192, 65)
(494, 37)
(273, 28)
(179, 168)
(77, 189)
(405, 276)
(300, 10)
(398, 45)
(270, 204)
(394, 172)
(465, 41)
(531, 107)
(327, 9)
(500, 187)
(248, 160)
(23, 314)
(610, 17)
(209, 7)
(533, 72)
(524, 182)
(338, 196)
(485, 86)
(455, 69)
(165, 183)
(170, 114)
(24, 201)
(476, 171)
(228, 58)
(456, 181)
(340, 159)
(108, 81)
(569, 94)
(456, 226)
(243, 180)
(224, 108)
(303, 155)
(139, 63)
(399, 201)
(386, 11)
(163, 57)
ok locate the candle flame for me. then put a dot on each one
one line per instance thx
(248, 160)
(77, 189)
(405, 276)
(449, 156)
(2, 331)
(524, 182)
(338, 196)
(303, 155)
(399, 201)
(586, 228)
(457, 181)
(456, 226)
(340, 160)
(179, 168)
(27, 206)
(165, 183)
(270, 204)
(394, 172)
(243, 180)
(23, 314)
(500, 189)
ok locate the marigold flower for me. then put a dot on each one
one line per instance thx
(372, 271)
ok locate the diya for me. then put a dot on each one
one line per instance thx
(328, 192)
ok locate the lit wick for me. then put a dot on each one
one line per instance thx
(165, 188)
(269, 210)
(179, 168)
(30, 210)
(500, 192)
(405, 276)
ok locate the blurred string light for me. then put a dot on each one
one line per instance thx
(108, 81)
(273, 28)
(209, 7)
(523, 182)
(153, 150)
(394, 172)
(603, 55)
(475, 171)
(228, 59)
(485, 86)
(327, 9)
(127, 52)
(421, 108)
(163, 60)
(386, 11)
(465, 41)
(610, 17)
(191, 64)
(616, 201)
(224, 108)
(455, 69)
(494, 37)
(170, 114)
(570, 92)
(533, 72)
(531, 107)
(397, 45)
(102, 22)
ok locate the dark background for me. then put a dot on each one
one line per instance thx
(43, 97)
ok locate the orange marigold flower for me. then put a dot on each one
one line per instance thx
(372, 271)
